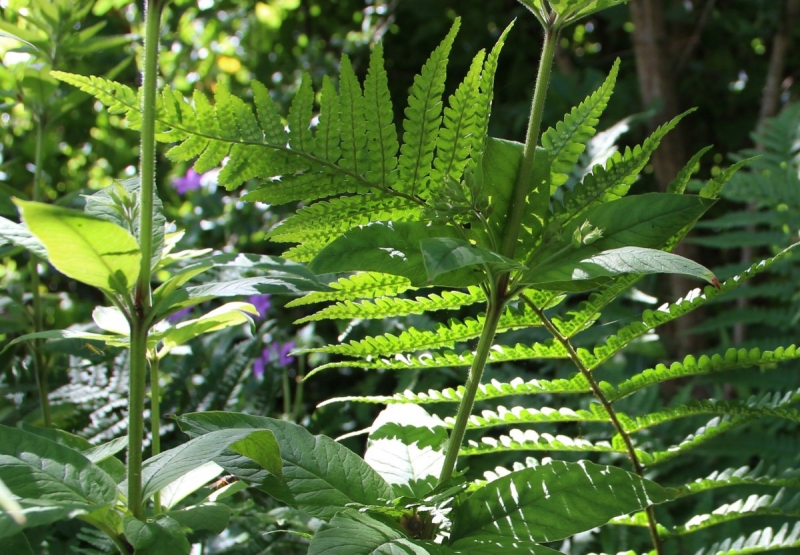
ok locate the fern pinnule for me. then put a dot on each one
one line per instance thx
(353, 120)
(382, 143)
(300, 137)
(422, 121)
(713, 429)
(502, 416)
(483, 106)
(781, 505)
(327, 143)
(566, 142)
(268, 116)
(678, 185)
(760, 541)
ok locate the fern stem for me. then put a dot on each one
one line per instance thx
(142, 299)
(525, 172)
(39, 362)
(494, 311)
(638, 468)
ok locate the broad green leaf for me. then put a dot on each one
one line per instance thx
(85, 248)
(494, 546)
(553, 501)
(119, 203)
(19, 235)
(166, 467)
(497, 172)
(442, 255)
(570, 11)
(391, 248)
(113, 340)
(189, 483)
(646, 221)
(162, 536)
(320, 477)
(106, 450)
(229, 314)
(35, 468)
(111, 319)
(354, 533)
(209, 516)
(631, 260)
(406, 447)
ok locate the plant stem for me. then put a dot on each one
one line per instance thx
(298, 392)
(612, 415)
(142, 300)
(39, 362)
(287, 394)
(155, 421)
(493, 312)
(522, 185)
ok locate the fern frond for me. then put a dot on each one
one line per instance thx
(714, 186)
(311, 185)
(779, 505)
(770, 405)
(566, 142)
(744, 476)
(760, 541)
(612, 181)
(691, 366)
(381, 133)
(530, 440)
(365, 285)
(588, 311)
(423, 117)
(456, 137)
(492, 390)
(711, 430)
(385, 307)
(503, 416)
(678, 185)
(268, 116)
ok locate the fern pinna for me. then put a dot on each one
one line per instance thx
(434, 224)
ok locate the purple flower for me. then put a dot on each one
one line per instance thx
(277, 352)
(178, 316)
(262, 304)
(189, 182)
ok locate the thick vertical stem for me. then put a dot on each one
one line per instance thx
(493, 313)
(522, 185)
(142, 301)
(498, 298)
(39, 362)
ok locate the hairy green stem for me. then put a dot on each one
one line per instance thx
(612, 414)
(142, 295)
(39, 362)
(493, 312)
(155, 420)
(525, 172)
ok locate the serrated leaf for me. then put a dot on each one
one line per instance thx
(161, 536)
(553, 501)
(446, 254)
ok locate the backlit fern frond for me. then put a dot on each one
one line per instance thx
(761, 541)
(566, 142)
(782, 504)
(530, 440)
(364, 285)
(612, 181)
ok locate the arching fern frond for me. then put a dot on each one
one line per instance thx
(492, 390)
(566, 142)
(385, 307)
(521, 415)
(760, 541)
(745, 475)
(781, 504)
(530, 440)
(711, 430)
(365, 285)
(691, 366)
